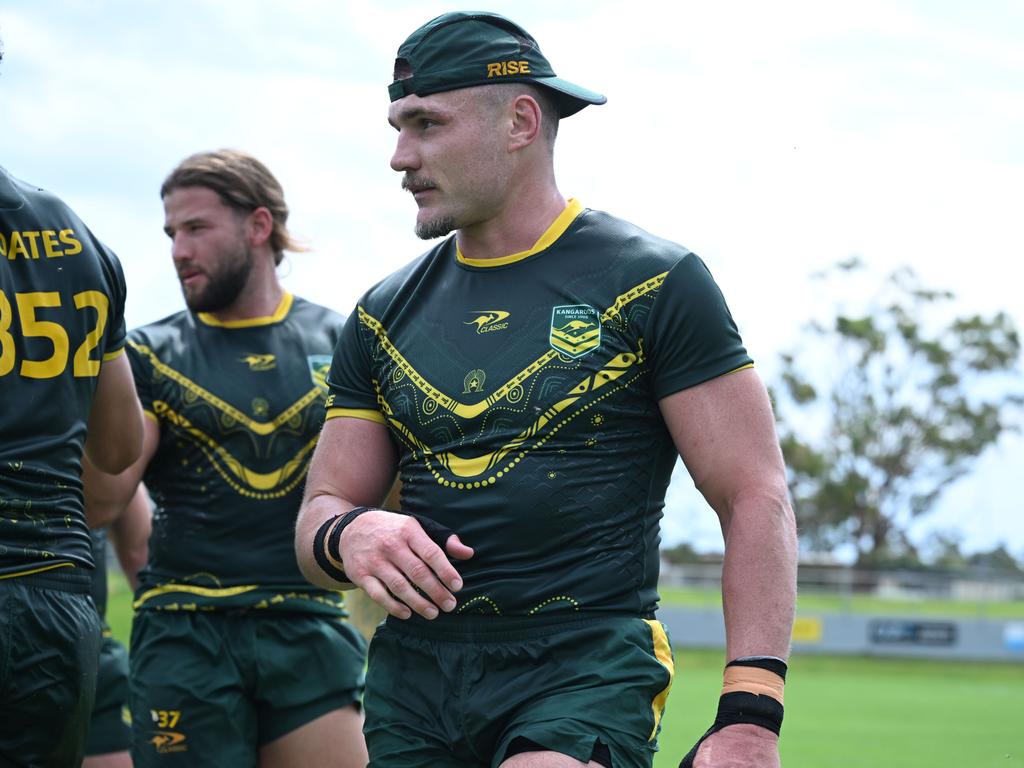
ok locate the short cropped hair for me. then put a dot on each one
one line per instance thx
(502, 93)
(242, 182)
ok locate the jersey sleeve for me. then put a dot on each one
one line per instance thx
(142, 372)
(350, 383)
(691, 336)
(117, 330)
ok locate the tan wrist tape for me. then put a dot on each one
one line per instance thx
(753, 680)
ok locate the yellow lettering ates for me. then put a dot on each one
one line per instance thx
(67, 236)
(506, 68)
(16, 247)
(27, 244)
(50, 244)
(33, 238)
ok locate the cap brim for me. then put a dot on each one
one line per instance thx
(571, 98)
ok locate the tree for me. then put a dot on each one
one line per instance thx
(997, 560)
(681, 554)
(885, 407)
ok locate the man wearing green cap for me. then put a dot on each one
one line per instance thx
(533, 378)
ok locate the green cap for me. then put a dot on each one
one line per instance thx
(463, 49)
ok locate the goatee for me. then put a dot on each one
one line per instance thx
(428, 230)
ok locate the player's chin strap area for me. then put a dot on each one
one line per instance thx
(327, 542)
(751, 693)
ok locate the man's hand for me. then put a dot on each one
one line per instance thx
(738, 746)
(399, 566)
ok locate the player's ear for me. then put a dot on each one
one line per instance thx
(259, 226)
(526, 122)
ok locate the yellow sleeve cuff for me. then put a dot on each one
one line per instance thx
(356, 413)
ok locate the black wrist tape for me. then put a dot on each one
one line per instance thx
(771, 663)
(327, 546)
(334, 540)
(320, 552)
(743, 707)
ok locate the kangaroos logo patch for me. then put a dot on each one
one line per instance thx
(319, 367)
(575, 329)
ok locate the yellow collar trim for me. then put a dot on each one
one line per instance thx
(572, 209)
(249, 322)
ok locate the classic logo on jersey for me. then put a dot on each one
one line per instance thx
(257, 362)
(166, 742)
(575, 329)
(319, 367)
(474, 381)
(488, 320)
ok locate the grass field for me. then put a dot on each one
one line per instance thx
(832, 603)
(843, 712)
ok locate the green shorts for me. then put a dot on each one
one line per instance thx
(458, 695)
(110, 728)
(49, 650)
(211, 688)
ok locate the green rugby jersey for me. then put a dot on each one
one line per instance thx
(240, 406)
(523, 392)
(98, 586)
(62, 298)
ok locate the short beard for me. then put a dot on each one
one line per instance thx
(428, 230)
(224, 286)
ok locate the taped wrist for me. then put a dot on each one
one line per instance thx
(327, 541)
(330, 566)
(752, 692)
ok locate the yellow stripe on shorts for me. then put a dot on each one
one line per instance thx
(663, 652)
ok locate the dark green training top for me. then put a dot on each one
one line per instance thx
(61, 315)
(523, 392)
(240, 406)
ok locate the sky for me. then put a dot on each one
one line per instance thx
(773, 139)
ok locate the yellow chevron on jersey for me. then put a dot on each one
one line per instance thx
(542, 446)
(239, 409)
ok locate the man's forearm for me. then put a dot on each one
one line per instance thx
(317, 510)
(759, 576)
(106, 495)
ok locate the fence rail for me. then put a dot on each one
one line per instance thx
(977, 587)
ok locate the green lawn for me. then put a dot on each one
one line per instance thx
(854, 712)
(841, 712)
(821, 603)
(119, 605)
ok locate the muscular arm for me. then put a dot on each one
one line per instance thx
(107, 495)
(353, 465)
(386, 554)
(114, 439)
(725, 433)
(129, 534)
